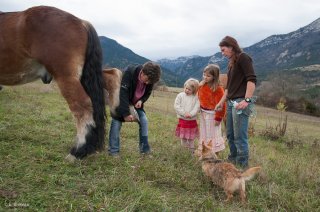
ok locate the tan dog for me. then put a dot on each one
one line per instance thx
(224, 174)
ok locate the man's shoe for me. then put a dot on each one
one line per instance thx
(146, 154)
(114, 155)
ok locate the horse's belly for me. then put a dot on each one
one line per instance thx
(28, 72)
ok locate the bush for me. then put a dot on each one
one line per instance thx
(279, 130)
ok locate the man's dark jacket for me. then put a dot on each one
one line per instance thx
(127, 90)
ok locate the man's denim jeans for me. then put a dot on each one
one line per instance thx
(114, 134)
(237, 133)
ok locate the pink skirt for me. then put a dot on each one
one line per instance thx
(209, 132)
(187, 129)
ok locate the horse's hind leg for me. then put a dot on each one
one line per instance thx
(81, 106)
(112, 78)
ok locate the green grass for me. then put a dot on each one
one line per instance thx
(37, 130)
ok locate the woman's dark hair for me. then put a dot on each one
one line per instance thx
(229, 41)
(152, 70)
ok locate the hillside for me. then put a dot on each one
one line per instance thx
(298, 87)
(118, 56)
(296, 49)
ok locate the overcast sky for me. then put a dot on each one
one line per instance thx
(157, 29)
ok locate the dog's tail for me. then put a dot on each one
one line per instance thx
(249, 174)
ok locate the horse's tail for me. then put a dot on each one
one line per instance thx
(93, 83)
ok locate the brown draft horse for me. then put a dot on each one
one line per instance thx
(43, 40)
(223, 79)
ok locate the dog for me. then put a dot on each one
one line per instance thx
(225, 174)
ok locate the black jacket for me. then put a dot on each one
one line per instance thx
(127, 90)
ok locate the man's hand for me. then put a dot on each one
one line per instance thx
(242, 105)
(129, 118)
(138, 104)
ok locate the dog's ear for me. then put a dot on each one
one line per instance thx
(215, 156)
(210, 144)
(205, 147)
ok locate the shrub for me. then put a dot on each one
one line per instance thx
(275, 132)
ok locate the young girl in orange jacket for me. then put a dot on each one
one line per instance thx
(210, 93)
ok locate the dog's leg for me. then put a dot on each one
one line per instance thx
(231, 185)
(242, 191)
(229, 196)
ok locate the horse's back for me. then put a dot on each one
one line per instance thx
(55, 37)
(112, 78)
(38, 39)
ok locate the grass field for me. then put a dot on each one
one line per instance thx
(37, 130)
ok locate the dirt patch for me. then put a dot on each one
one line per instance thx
(8, 194)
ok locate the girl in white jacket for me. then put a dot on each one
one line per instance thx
(187, 106)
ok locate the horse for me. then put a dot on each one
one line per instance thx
(112, 78)
(223, 79)
(43, 41)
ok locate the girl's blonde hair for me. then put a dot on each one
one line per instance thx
(193, 84)
(213, 70)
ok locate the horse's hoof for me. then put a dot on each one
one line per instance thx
(71, 158)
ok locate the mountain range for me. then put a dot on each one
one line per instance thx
(117, 56)
(299, 48)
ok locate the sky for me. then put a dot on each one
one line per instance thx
(158, 29)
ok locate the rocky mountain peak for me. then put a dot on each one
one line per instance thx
(314, 26)
(276, 39)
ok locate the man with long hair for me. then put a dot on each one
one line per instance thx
(239, 96)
